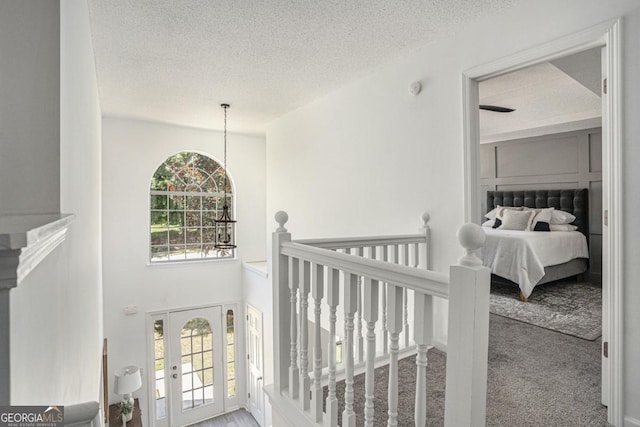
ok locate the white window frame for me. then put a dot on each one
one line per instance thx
(218, 209)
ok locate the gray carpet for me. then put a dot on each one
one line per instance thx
(564, 306)
(536, 377)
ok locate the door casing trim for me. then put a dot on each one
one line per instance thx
(604, 34)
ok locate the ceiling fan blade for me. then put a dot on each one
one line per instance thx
(496, 108)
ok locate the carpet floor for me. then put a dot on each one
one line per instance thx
(564, 306)
(536, 377)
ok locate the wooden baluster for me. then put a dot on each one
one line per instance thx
(317, 291)
(333, 299)
(405, 299)
(350, 306)
(386, 257)
(294, 372)
(305, 384)
(370, 314)
(422, 335)
(416, 256)
(394, 301)
(359, 338)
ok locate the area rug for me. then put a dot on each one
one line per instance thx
(536, 377)
(564, 306)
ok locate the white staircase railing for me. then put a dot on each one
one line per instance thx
(360, 274)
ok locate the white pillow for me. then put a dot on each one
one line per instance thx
(500, 212)
(561, 217)
(541, 219)
(491, 214)
(563, 227)
(516, 220)
(489, 223)
(502, 209)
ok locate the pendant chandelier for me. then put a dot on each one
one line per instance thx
(225, 226)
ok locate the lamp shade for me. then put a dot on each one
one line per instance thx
(127, 380)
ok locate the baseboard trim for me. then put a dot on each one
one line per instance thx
(440, 344)
(631, 422)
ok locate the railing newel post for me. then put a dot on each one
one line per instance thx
(281, 304)
(426, 230)
(467, 345)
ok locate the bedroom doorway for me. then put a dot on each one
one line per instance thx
(603, 38)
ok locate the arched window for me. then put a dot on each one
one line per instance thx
(187, 195)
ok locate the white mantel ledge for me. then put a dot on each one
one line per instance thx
(25, 240)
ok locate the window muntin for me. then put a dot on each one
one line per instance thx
(186, 195)
(196, 344)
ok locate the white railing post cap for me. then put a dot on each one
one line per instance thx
(281, 218)
(425, 217)
(471, 238)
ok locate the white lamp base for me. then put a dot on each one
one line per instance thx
(127, 398)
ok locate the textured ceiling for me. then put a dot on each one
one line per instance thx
(548, 98)
(176, 61)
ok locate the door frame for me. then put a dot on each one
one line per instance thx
(164, 314)
(606, 35)
(177, 320)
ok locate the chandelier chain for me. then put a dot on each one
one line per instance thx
(225, 154)
(224, 224)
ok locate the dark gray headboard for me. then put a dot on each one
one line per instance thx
(576, 202)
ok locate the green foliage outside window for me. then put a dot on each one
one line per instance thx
(187, 194)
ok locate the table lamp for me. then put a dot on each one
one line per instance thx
(127, 381)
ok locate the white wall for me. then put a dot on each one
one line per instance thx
(29, 106)
(368, 158)
(56, 312)
(80, 193)
(631, 205)
(132, 151)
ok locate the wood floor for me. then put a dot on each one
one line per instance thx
(239, 418)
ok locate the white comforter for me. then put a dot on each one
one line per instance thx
(521, 256)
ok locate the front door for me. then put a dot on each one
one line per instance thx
(195, 365)
(254, 338)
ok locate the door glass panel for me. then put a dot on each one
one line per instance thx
(195, 356)
(208, 376)
(158, 345)
(231, 355)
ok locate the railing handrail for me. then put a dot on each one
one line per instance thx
(424, 281)
(360, 281)
(363, 242)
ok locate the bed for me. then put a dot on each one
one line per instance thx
(530, 258)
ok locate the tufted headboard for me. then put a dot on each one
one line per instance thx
(576, 202)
